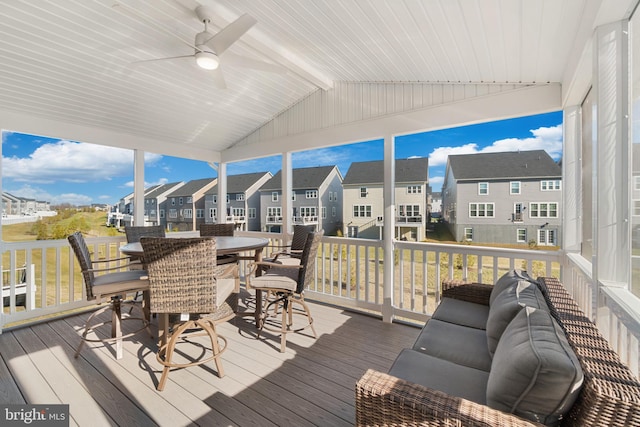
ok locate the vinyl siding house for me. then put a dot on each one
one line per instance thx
(511, 197)
(363, 187)
(184, 207)
(154, 198)
(243, 201)
(122, 213)
(317, 199)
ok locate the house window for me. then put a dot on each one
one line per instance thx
(147, 201)
(173, 201)
(199, 213)
(335, 196)
(514, 187)
(312, 194)
(173, 213)
(152, 212)
(483, 188)
(481, 210)
(552, 185)
(546, 237)
(161, 213)
(293, 196)
(324, 212)
(215, 198)
(308, 211)
(543, 210)
(330, 196)
(252, 213)
(333, 211)
(274, 213)
(187, 213)
(274, 196)
(180, 201)
(227, 197)
(517, 212)
(240, 197)
(414, 189)
(362, 211)
(409, 210)
(363, 192)
(636, 183)
(468, 234)
(237, 211)
(521, 235)
(212, 212)
(189, 199)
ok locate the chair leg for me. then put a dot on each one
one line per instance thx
(286, 309)
(308, 312)
(210, 328)
(116, 326)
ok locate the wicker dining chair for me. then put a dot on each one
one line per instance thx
(288, 282)
(113, 287)
(293, 251)
(217, 229)
(185, 285)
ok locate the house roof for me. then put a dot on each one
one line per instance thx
(191, 187)
(407, 170)
(239, 183)
(505, 165)
(67, 69)
(160, 189)
(302, 178)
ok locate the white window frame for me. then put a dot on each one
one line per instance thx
(364, 192)
(180, 201)
(468, 234)
(323, 211)
(409, 210)
(414, 189)
(362, 211)
(240, 197)
(237, 211)
(189, 199)
(551, 185)
(199, 213)
(535, 211)
(483, 188)
(482, 207)
(252, 213)
(173, 213)
(173, 201)
(519, 189)
(636, 182)
(311, 194)
(519, 235)
(187, 213)
(161, 213)
(215, 199)
(547, 237)
(212, 212)
(334, 212)
(275, 196)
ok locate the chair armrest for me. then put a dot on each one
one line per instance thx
(385, 400)
(265, 265)
(110, 260)
(478, 293)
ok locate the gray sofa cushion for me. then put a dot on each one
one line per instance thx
(440, 374)
(535, 374)
(509, 279)
(507, 304)
(458, 344)
(461, 312)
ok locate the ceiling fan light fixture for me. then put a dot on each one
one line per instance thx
(207, 60)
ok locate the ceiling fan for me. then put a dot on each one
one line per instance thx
(209, 48)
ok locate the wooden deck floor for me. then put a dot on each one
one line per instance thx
(311, 384)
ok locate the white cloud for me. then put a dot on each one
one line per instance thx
(436, 180)
(161, 181)
(73, 199)
(72, 162)
(544, 138)
(37, 193)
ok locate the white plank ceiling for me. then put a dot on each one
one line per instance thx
(70, 61)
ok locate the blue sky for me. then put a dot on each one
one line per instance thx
(62, 171)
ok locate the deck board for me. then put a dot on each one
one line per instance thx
(312, 383)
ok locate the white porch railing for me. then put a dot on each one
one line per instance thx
(349, 273)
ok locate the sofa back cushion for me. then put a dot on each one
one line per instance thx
(507, 305)
(507, 280)
(534, 373)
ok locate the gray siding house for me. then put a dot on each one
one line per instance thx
(184, 207)
(364, 203)
(154, 198)
(243, 201)
(317, 199)
(511, 197)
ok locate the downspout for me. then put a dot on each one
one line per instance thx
(138, 187)
(287, 190)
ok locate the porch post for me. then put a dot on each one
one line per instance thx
(389, 227)
(572, 182)
(612, 156)
(287, 189)
(138, 187)
(222, 193)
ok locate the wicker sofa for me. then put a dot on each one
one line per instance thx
(608, 393)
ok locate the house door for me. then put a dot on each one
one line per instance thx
(546, 237)
(352, 231)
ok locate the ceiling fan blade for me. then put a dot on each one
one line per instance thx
(231, 33)
(218, 78)
(243, 61)
(162, 59)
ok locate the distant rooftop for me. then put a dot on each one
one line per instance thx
(239, 183)
(504, 165)
(407, 170)
(302, 178)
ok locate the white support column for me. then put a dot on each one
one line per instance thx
(612, 246)
(572, 182)
(138, 187)
(222, 193)
(389, 227)
(287, 190)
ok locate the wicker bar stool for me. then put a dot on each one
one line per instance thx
(112, 287)
(288, 282)
(185, 285)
